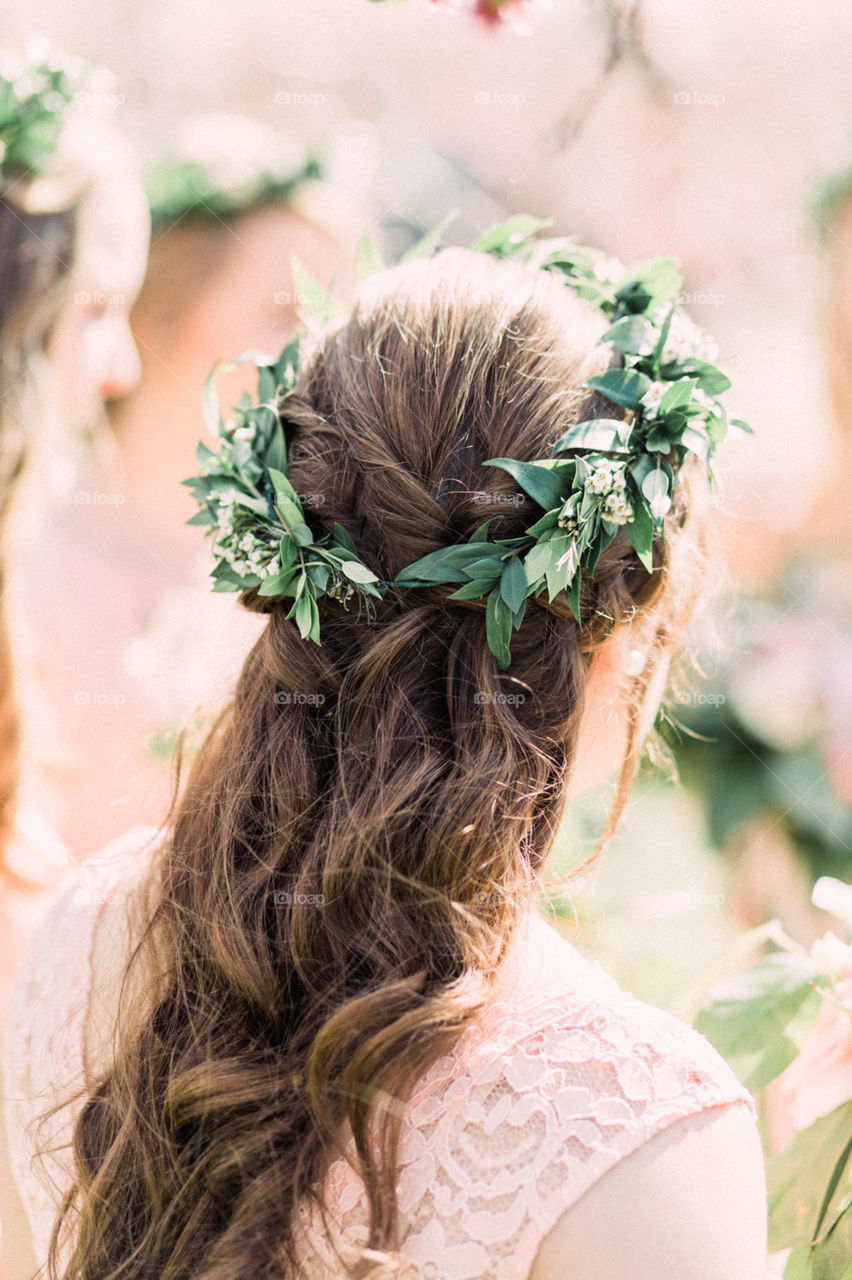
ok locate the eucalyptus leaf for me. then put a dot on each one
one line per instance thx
(357, 572)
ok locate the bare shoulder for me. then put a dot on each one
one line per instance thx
(690, 1202)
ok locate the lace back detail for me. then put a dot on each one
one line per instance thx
(564, 1076)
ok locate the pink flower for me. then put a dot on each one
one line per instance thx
(820, 1078)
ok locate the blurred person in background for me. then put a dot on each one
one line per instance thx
(232, 201)
(74, 230)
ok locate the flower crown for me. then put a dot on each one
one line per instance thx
(36, 90)
(224, 164)
(620, 473)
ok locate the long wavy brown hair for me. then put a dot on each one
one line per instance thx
(361, 829)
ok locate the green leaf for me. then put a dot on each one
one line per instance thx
(564, 560)
(288, 363)
(650, 283)
(542, 484)
(203, 453)
(319, 575)
(513, 583)
(281, 485)
(602, 540)
(504, 238)
(640, 531)
(536, 560)
(288, 551)
(472, 590)
(358, 572)
(316, 300)
(367, 257)
(257, 505)
(304, 615)
(797, 1176)
(498, 628)
(202, 517)
(710, 379)
(314, 633)
(302, 535)
(608, 435)
(622, 386)
(548, 521)
(679, 393)
(344, 539)
(572, 595)
(423, 247)
(443, 565)
(655, 488)
(832, 1257)
(760, 1019)
(833, 1183)
(696, 441)
(798, 1265)
(630, 334)
(210, 403)
(275, 586)
(480, 534)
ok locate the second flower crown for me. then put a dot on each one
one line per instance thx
(620, 474)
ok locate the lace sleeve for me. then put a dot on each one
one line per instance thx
(509, 1132)
(42, 1055)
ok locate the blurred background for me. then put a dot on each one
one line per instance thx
(700, 131)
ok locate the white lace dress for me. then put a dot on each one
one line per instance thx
(563, 1078)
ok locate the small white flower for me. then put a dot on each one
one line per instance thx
(244, 433)
(617, 509)
(608, 270)
(653, 396)
(702, 398)
(600, 481)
